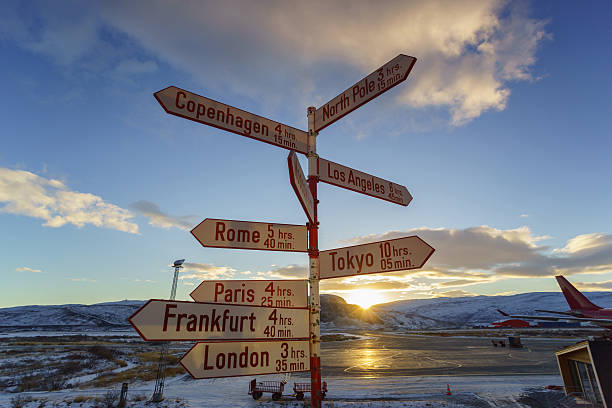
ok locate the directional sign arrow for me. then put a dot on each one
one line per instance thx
(342, 176)
(378, 82)
(251, 235)
(271, 293)
(376, 257)
(233, 359)
(300, 186)
(163, 320)
(188, 105)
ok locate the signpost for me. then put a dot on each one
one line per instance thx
(300, 186)
(376, 257)
(232, 359)
(188, 105)
(265, 317)
(251, 235)
(164, 320)
(271, 293)
(355, 180)
(384, 78)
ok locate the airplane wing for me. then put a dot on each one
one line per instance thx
(556, 312)
(607, 322)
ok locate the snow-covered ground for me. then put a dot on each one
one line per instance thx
(412, 392)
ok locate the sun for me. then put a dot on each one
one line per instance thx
(364, 297)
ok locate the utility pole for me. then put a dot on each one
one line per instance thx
(158, 393)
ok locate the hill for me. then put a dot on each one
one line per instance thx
(436, 313)
(463, 312)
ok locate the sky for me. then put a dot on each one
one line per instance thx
(501, 133)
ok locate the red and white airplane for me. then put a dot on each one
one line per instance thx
(581, 308)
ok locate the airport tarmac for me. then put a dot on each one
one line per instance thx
(396, 354)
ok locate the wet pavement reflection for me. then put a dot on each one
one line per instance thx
(389, 354)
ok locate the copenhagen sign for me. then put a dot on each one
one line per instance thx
(251, 235)
(188, 105)
(165, 320)
(376, 257)
(271, 293)
(233, 359)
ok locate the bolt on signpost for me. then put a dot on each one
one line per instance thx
(282, 341)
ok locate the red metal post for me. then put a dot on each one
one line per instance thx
(313, 257)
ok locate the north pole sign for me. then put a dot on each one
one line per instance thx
(165, 320)
(188, 105)
(376, 257)
(232, 359)
(271, 293)
(251, 235)
(384, 78)
(364, 183)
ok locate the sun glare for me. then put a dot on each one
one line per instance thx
(364, 297)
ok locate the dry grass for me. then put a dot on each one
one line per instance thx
(120, 363)
(141, 373)
(139, 397)
(153, 357)
(82, 398)
(148, 356)
(52, 361)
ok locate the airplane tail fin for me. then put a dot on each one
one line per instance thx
(503, 313)
(575, 299)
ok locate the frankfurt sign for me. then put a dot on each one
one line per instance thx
(188, 105)
(271, 293)
(251, 235)
(233, 359)
(166, 320)
(376, 257)
(378, 82)
(351, 179)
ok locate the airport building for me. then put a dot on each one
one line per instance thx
(586, 369)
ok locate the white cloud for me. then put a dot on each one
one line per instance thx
(586, 243)
(64, 34)
(201, 271)
(484, 254)
(82, 280)
(463, 257)
(158, 218)
(25, 193)
(288, 272)
(454, 293)
(594, 286)
(469, 51)
(26, 269)
(135, 67)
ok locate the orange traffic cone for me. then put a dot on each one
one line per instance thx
(448, 391)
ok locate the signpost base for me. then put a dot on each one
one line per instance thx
(315, 378)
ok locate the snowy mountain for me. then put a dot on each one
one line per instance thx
(461, 312)
(99, 315)
(437, 313)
